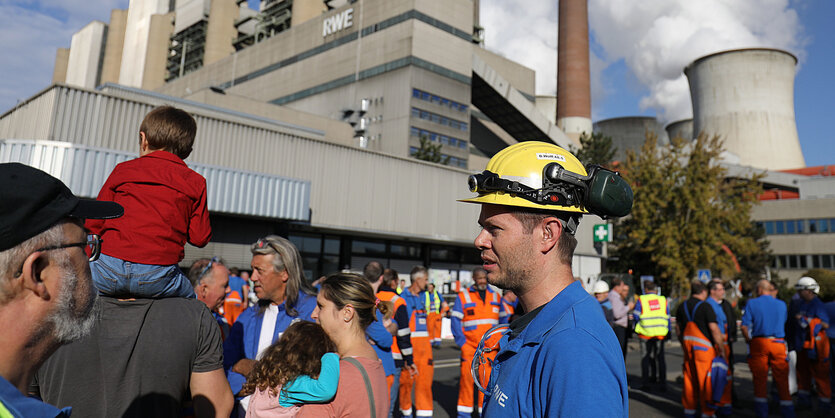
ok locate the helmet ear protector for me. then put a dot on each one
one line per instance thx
(602, 192)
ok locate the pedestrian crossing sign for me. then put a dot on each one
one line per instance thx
(704, 275)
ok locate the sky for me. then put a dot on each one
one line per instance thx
(638, 50)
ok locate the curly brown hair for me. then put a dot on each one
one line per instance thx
(298, 352)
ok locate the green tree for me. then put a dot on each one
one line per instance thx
(687, 215)
(594, 149)
(430, 152)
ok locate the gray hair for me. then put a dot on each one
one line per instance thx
(287, 258)
(195, 272)
(11, 260)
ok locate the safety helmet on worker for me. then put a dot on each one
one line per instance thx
(542, 176)
(600, 287)
(808, 283)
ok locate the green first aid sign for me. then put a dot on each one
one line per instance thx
(603, 233)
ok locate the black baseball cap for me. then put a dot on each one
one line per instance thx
(32, 201)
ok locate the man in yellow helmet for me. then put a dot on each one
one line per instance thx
(562, 356)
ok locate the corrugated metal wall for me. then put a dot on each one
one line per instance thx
(84, 170)
(350, 189)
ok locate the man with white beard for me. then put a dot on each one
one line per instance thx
(47, 297)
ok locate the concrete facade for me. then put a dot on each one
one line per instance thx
(680, 129)
(85, 55)
(629, 133)
(747, 97)
(59, 74)
(112, 61)
(137, 41)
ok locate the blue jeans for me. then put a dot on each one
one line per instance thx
(394, 391)
(119, 278)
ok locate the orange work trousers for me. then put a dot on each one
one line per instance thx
(465, 383)
(818, 370)
(433, 325)
(422, 355)
(698, 358)
(764, 353)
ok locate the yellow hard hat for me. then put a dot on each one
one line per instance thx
(524, 163)
(540, 175)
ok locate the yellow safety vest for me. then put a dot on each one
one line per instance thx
(437, 306)
(653, 321)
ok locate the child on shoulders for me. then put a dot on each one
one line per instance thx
(165, 207)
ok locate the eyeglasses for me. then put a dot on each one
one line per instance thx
(486, 352)
(263, 242)
(208, 267)
(92, 246)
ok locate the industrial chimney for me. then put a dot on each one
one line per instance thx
(747, 97)
(573, 86)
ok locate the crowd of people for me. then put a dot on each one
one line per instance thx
(705, 325)
(102, 322)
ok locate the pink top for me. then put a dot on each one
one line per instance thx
(351, 396)
(263, 404)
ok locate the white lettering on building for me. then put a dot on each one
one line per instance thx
(338, 22)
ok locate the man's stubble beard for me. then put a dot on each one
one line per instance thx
(74, 315)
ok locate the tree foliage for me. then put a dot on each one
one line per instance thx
(594, 149)
(686, 209)
(430, 152)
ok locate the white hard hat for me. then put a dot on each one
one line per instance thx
(807, 283)
(600, 287)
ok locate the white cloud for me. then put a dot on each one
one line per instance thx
(656, 39)
(30, 34)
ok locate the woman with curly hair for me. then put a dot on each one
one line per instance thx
(346, 305)
(299, 368)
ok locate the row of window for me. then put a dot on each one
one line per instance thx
(798, 226)
(452, 161)
(431, 98)
(804, 261)
(441, 120)
(436, 137)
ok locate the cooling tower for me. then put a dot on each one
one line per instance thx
(680, 129)
(747, 97)
(629, 133)
(573, 85)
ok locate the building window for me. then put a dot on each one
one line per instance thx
(778, 227)
(438, 100)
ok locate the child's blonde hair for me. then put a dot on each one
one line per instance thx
(298, 352)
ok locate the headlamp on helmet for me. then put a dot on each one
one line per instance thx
(602, 192)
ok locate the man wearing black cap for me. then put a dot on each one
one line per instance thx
(46, 295)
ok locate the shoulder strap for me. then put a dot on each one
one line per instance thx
(688, 313)
(365, 378)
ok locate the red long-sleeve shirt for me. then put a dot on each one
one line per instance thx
(165, 207)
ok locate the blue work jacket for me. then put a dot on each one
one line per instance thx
(566, 362)
(19, 405)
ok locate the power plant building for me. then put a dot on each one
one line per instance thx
(326, 112)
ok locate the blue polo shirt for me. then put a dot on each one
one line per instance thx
(765, 316)
(14, 403)
(721, 318)
(565, 362)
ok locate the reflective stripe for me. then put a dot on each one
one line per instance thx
(423, 413)
(786, 403)
(721, 366)
(468, 409)
(824, 400)
(467, 296)
(403, 331)
(761, 400)
(502, 314)
(420, 334)
(697, 340)
(689, 411)
(406, 351)
(476, 322)
(459, 315)
(407, 412)
(396, 356)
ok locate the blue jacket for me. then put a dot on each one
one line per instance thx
(566, 362)
(721, 319)
(19, 405)
(243, 338)
(381, 341)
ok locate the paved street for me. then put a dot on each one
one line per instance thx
(641, 404)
